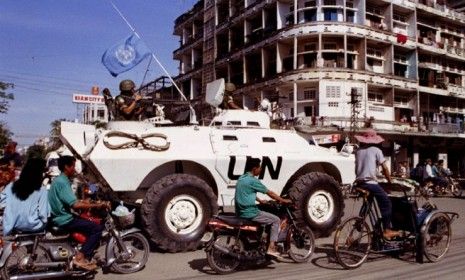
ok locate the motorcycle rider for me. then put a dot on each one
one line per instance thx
(62, 200)
(367, 159)
(126, 104)
(247, 188)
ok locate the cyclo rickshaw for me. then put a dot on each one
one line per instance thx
(425, 230)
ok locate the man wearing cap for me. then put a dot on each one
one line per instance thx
(367, 159)
(228, 100)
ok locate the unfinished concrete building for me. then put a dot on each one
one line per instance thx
(405, 59)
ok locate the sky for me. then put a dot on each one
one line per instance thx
(51, 49)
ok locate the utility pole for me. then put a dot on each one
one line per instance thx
(354, 105)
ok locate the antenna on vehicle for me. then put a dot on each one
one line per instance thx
(193, 117)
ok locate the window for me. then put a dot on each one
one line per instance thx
(309, 93)
(333, 92)
(253, 124)
(375, 97)
(401, 100)
(330, 14)
(310, 15)
(350, 16)
(309, 47)
(101, 114)
(291, 96)
(310, 3)
(330, 46)
(229, 138)
(333, 104)
(400, 58)
(268, 140)
(399, 18)
(234, 122)
(376, 109)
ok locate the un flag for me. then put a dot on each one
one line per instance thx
(125, 55)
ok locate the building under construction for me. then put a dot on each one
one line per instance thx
(402, 60)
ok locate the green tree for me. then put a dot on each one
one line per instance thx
(5, 134)
(35, 151)
(5, 97)
(55, 141)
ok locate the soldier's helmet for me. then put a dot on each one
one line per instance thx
(229, 87)
(126, 85)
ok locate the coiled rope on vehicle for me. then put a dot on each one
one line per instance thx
(136, 141)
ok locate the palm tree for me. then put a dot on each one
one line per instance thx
(55, 132)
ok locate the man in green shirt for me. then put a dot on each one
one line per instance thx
(247, 188)
(62, 199)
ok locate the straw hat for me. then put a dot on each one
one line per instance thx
(369, 137)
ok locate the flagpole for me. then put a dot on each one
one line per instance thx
(153, 55)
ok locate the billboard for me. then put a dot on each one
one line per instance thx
(88, 99)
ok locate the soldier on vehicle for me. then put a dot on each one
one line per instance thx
(367, 159)
(127, 103)
(228, 100)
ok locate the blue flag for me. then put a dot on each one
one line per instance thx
(125, 55)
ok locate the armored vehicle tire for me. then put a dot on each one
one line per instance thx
(319, 202)
(175, 211)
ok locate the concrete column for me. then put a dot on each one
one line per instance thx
(295, 99)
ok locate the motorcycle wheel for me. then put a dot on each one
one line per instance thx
(301, 244)
(221, 262)
(19, 262)
(455, 187)
(139, 249)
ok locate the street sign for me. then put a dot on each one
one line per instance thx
(88, 99)
(95, 90)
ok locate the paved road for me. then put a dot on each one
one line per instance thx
(193, 265)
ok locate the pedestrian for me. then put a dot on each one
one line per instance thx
(11, 157)
(367, 159)
(402, 169)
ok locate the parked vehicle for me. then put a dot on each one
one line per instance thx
(49, 254)
(232, 241)
(180, 175)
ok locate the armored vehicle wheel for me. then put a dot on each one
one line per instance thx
(175, 211)
(319, 202)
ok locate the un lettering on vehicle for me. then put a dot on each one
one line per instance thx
(272, 167)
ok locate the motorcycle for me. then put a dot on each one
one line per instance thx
(231, 240)
(49, 254)
(449, 185)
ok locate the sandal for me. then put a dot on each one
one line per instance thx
(85, 265)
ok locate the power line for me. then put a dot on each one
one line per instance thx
(46, 85)
(44, 80)
(48, 77)
(46, 91)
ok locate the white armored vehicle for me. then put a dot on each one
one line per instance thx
(180, 175)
